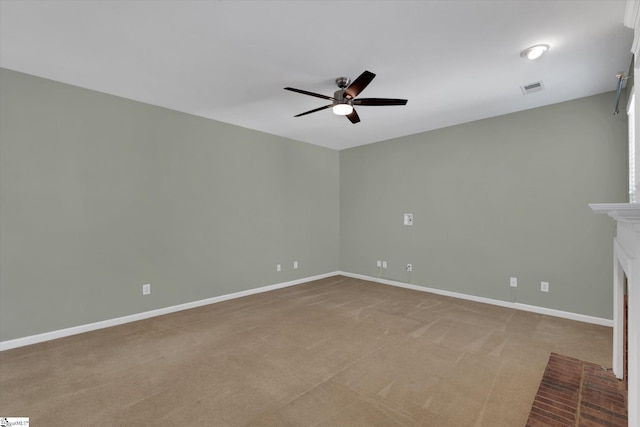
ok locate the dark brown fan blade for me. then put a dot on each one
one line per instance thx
(304, 92)
(379, 101)
(359, 84)
(313, 111)
(353, 116)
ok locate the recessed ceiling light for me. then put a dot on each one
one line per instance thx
(534, 52)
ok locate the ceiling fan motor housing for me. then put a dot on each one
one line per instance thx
(340, 98)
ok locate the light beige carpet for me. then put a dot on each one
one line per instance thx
(335, 352)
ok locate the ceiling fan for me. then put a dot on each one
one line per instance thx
(344, 98)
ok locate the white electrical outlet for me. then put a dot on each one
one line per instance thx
(544, 286)
(278, 267)
(384, 264)
(295, 265)
(379, 264)
(408, 219)
(513, 282)
(146, 289)
(409, 267)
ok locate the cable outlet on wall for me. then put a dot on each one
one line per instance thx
(408, 219)
(544, 286)
(409, 267)
(513, 282)
(146, 289)
(278, 267)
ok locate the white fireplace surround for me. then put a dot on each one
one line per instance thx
(626, 262)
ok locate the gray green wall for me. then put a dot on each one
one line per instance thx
(100, 195)
(500, 197)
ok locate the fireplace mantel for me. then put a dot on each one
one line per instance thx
(626, 263)
(623, 212)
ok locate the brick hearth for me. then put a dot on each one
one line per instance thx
(577, 393)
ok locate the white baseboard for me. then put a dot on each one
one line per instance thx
(47, 336)
(514, 305)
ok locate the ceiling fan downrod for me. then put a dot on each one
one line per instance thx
(343, 82)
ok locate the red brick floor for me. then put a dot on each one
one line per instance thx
(577, 393)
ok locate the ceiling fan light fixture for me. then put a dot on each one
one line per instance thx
(342, 109)
(344, 98)
(534, 52)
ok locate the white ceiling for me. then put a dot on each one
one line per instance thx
(455, 61)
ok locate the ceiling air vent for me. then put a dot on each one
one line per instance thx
(532, 87)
